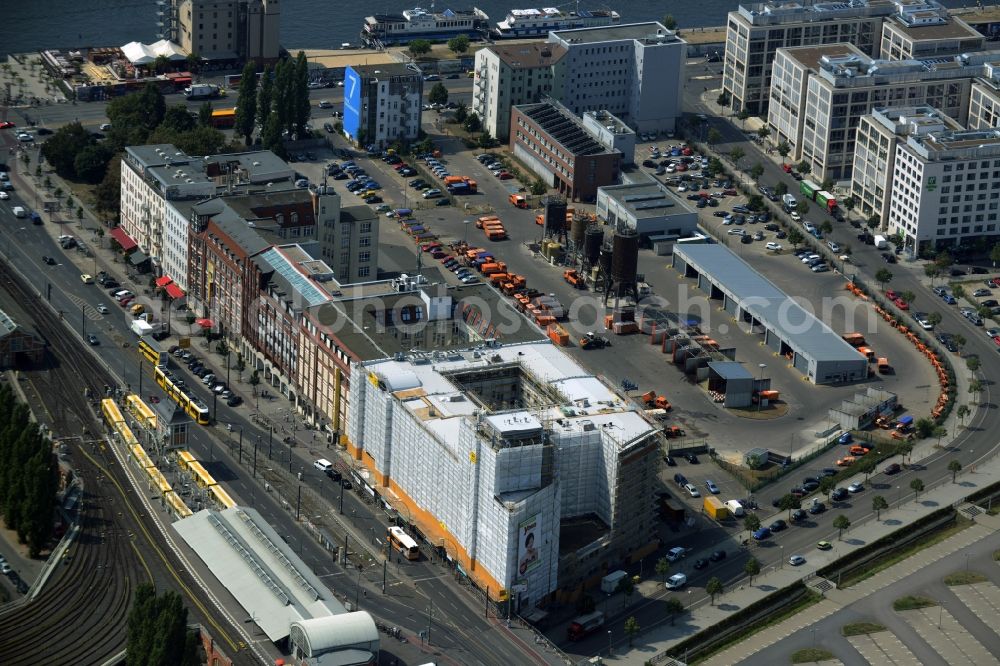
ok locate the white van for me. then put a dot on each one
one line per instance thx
(735, 508)
(19, 211)
(323, 465)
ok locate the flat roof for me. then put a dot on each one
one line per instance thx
(564, 127)
(811, 56)
(730, 370)
(538, 54)
(644, 200)
(387, 69)
(949, 29)
(761, 298)
(258, 568)
(614, 33)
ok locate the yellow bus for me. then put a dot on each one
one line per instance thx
(177, 504)
(403, 542)
(222, 497)
(150, 350)
(141, 411)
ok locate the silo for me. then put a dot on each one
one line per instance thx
(578, 230)
(555, 216)
(605, 261)
(592, 242)
(624, 257)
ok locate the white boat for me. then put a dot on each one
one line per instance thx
(387, 29)
(539, 22)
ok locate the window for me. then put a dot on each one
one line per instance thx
(364, 257)
(365, 241)
(365, 228)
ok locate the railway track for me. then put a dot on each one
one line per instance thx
(80, 616)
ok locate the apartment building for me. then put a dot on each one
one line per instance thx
(556, 145)
(511, 460)
(382, 103)
(509, 75)
(984, 101)
(946, 188)
(927, 33)
(228, 29)
(875, 152)
(819, 94)
(159, 183)
(349, 244)
(634, 71)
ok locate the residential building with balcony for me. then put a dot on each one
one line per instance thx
(508, 75)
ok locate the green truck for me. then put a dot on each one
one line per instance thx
(824, 198)
(808, 189)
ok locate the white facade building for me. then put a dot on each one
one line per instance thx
(382, 103)
(509, 75)
(946, 188)
(492, 450)
(634, 71)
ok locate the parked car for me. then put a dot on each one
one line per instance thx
(712, 488)
(796, 560)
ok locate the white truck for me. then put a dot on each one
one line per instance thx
(19, 211)
(788, 201)
(881, 242)
(676, 553)
(201, 91)
(609, 584)
(141, 327)
(736, 508)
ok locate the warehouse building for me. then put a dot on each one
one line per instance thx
(648, 208)
(513, 461)
(789, 329)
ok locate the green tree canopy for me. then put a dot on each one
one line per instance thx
(63, 147)
(246, 102)
(438, 94)
(300, 94)
(178, 118)
(669, 22)
(419, 47)
(459, 44)
(157, 632)
(91, 163)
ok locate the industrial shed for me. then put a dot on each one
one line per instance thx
(788, 329)
(732, 379)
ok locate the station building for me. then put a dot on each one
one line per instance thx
(789, 330)
(519, 465)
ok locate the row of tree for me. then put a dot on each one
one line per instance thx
(29, 475)
(275, 104)
(456, 45)
(157, 630)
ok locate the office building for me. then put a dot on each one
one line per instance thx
(508, 75)
(382, 103)
(887, 29)
(946, 188)
(875, 152)
(648, 208)
(228, 30)
(634, 71)
(349, 244)
(984, 101)
(558, 148)
(819, 94)
(511, 460)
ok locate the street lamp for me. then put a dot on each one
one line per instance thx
(760, 383)
(609, 643)
(465, 236)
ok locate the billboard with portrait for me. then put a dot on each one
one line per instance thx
(528, 543)
(352, 102)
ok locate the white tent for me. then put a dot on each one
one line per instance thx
(145, 54)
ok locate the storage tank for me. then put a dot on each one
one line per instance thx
(624, 257)
(592, 241)
(555, 216)
(578, 230)
(605, 260)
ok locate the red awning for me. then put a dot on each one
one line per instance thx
(123, 239)
(173, 291)
(164, 281)
(204, 323)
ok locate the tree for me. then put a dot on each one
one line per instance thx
(795, 237)
(438, 94)
(193, 61)
(878, 505)
(79, 213)
(917, 486)
(205, 114)
(781, 189)
(300, 95)
(763, 132)
(107, 195)
(265, 96)
(924, 427)
(883, 276)
(932, 271)
(954, 467)
(751, 522)
(742, 116)
(849, 204)
(472, 123)
(714, 167)
(714, 136)
(254, 379)
(756, 171)
(461, 113)
(962, 412)
(751, 568)
(178, 119)
(63, 147)
(246, 102)
(995, 254)
(826, 227)
(973, 364)
(958, 291)
(841, 522)
(538, 187)
(826, 485)
(783, 148)
(663, 568)
(283, 94)
(157, 629)
(714, 588)
(736, 154)
(627, 587)
(723, 99)
(270, 136)
(804, 168)
(631, 629)
(419, 47)
(161, 64)
(755, 202)
(943, 259)
(459, 44)
(934, 318)
(873, 221)
(669, 22)
(789, 503)
(802, 207)
(673, 607)
(975, 386)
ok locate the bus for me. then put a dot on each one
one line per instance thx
(403, 542)
(182, 395)
(223, 118)
(150, 350)
(141, 411)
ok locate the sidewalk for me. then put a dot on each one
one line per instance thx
(656, 640)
